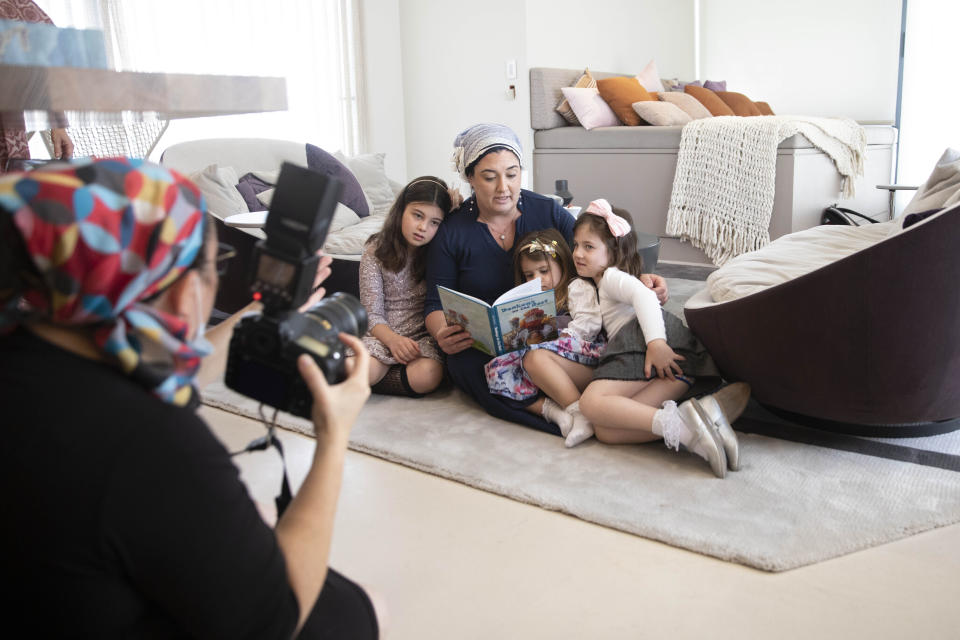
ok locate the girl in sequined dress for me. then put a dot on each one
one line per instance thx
(406, 360)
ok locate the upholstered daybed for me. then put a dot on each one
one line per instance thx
(633, 167)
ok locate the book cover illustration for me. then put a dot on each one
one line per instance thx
(520, 317)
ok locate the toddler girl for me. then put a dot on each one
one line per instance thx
(406, 360)
(650, 356)
(561, 368)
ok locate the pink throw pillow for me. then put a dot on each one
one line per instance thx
(649, 78)
(591, 110)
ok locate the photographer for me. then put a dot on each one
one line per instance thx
(123, 514)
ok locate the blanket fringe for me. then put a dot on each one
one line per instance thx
(723, 190)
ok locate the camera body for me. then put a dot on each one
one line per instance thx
(262, 360)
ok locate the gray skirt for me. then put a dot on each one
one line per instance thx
(627, 351)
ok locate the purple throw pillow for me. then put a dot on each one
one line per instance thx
(913, 218)
(249, 186)
(352, 196)
(719, 85)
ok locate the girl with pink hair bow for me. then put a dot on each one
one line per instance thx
(651, 358)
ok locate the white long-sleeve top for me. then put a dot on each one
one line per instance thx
(623, 297)
(586, 320)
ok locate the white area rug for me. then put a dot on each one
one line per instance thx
(790, 505)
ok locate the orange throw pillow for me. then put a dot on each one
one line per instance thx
(741, 104)
(620, 93)
(710, 100)
(764, 108)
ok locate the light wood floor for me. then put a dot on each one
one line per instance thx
(453, 562)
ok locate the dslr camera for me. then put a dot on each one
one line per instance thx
(262, 361)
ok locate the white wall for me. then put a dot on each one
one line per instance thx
(623, 36)
(454, 74)
(382, 78)
(815, 57)
(434, 67)
(454, 59)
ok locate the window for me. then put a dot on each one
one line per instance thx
(309, 42)
(929, 93)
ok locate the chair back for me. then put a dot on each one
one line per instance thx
(131, 140)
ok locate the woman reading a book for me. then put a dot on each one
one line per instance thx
(473, 253)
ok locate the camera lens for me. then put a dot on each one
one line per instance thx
(344, 312)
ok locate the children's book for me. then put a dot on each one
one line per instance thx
(522, 316)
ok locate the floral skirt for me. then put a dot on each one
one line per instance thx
(506, 376)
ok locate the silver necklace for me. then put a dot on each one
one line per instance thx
(503, 235)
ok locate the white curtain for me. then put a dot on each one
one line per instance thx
(311, 43)
(929, 120)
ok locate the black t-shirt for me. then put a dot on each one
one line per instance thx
(122, 515)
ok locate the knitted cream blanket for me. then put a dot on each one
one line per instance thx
(722, 196)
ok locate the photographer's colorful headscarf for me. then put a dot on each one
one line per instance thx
(104, 236)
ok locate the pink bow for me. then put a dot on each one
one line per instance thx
(617, 225)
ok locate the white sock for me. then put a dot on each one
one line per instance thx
(554, 413)
(668, 423)
(581, 430)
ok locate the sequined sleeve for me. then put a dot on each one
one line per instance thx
(371, 287)
(584, 308)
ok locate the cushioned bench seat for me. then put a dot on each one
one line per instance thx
(666, 138)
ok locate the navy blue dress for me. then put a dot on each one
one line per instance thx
(465, 257)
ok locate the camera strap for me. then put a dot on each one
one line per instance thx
(264, 442)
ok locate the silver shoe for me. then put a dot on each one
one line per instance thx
(712, 414)
(721, 409)
(704, 433)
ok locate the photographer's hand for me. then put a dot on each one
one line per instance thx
(323, 272)
(305, 530)
(336, 407)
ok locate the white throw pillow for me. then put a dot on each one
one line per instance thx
(687, 103)
(591, 110)
(661, 114)
(650, 77)
(266, 197)
(270, 177)
(344, 216)
(369, 171)
(350, 240)
(219, 187)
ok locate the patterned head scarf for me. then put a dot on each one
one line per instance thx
(104, 236)
(475, 141)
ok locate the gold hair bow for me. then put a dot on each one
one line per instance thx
(539, 245)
